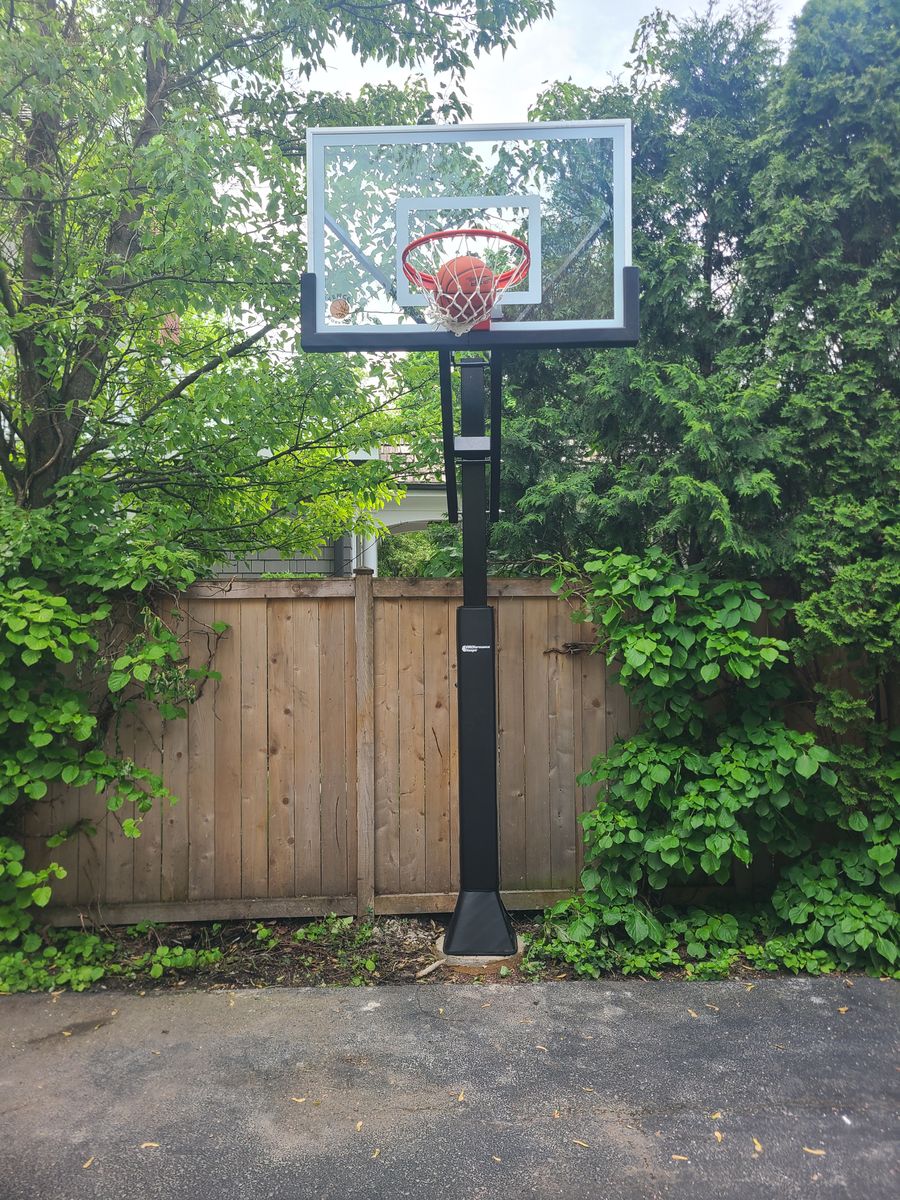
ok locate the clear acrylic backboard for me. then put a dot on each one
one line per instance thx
(563, 188)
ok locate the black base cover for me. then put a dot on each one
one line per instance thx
(480, 925)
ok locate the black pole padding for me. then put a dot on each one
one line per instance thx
(480, 924)
(496, 419)
(446, 381)
(478, 837)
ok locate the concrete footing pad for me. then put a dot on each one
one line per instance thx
(480, 964)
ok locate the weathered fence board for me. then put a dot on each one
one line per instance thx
(320, 771)
(253, 741)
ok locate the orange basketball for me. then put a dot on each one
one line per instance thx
(465, 276)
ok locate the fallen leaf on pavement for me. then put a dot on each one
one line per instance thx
(844, 1009)
(693, 1014)
(461, 1096)
(376, 1151)
(757, 1146)
(540, 1047)
(556, 1114)
(85, 1165)
(680, 1158)
(67, 1033)
(714, 1116)
(718, 1135)
(807, 1150)
(496, 1159)
(714, 1007)
(583, 1145)
(149, 1145)
(359, 1125)
(299, 1099)
(749, 986)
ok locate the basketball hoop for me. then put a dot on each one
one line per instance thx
(464, 286)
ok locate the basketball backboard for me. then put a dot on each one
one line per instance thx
(563, 188)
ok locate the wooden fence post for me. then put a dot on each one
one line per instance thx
(364, 614)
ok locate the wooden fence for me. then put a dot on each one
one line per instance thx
(320, 773)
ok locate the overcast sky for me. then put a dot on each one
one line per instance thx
(586, 40)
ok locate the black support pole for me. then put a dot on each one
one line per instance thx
(446, 382)
(496, 431)
(480, 924)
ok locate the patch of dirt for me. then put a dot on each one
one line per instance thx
(325, 952)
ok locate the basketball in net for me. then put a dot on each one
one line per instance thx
(462, 287)
(465, 285)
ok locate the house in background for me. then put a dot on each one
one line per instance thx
(423, 503)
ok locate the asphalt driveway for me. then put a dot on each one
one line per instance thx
(785, 1088)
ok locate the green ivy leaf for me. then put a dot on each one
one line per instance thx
(636, 925)
(886, 949)
(882, 854)
(806, 766)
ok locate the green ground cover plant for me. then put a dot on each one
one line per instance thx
(329, 951)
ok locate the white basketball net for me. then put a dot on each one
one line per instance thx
(463, 295)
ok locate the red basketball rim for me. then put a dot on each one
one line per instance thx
(429, 282)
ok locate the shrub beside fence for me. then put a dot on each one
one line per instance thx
(319, 773)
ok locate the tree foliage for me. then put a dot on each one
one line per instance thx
(155, 410)
(753, 435)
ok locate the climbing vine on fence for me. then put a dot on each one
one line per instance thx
(81, 642)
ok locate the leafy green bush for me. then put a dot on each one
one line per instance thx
(714, 778)
(62, 958)
(20, 889)
(80, 643)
